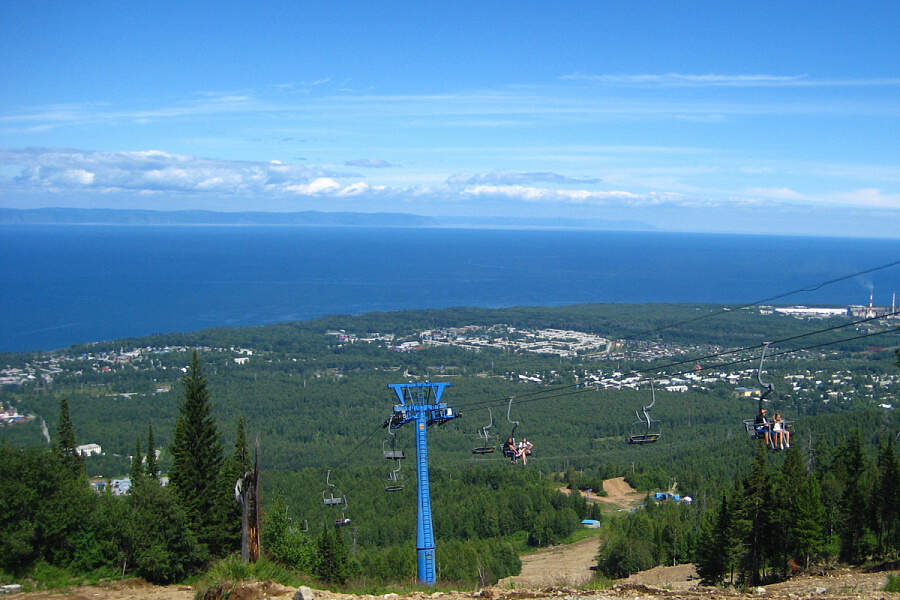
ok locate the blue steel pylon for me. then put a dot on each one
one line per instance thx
(421, 403)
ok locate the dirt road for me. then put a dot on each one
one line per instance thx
(619, 494)
(557, 566)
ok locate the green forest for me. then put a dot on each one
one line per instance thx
(187, 408)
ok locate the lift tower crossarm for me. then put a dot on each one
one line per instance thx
(421, 403)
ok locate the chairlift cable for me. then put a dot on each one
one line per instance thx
(811, 288)
(580, 390)
(697, 359)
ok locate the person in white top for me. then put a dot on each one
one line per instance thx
(782, 435)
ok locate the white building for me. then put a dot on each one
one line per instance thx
(88, 449)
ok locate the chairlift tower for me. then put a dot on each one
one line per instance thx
(421, 403)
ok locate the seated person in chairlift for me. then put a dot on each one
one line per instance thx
(761, 425)
(782, 435)
(524, 448)
(509, 449)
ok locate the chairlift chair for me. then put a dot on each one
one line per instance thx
(512, 434)
(392, 453)
(395, 481)
(766, 389)
(487, 448)
(331, 499)
(649, 437)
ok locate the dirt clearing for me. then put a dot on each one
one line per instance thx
(568, 565)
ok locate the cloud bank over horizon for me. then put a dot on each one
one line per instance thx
(154, 179)
(709, 135)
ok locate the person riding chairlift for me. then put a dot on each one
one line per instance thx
(762, 426)
(510, 450)
(524, 448)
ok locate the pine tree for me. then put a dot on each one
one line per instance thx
(341, 557)
(65, 441)
(152, 466)
(236, 466)
(757, 505)
(784, 510)
(197, 458)
(326, 565)
(711, 555)
(137, 465)
(853, 502)
(241, 456)
(886, 499)
(807, 528)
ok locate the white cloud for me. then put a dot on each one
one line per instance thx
(534, 194)
(78, 176)
(368, 163)
(870, 197)
(780, 193)
(319, 185)
(726, 80)
(355, 189)
(153, 170)
(511, 178)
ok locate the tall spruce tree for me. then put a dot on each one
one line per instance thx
(236, 466)
(853, 502)
(65, 441)
(757, 505)
(886, 500)
(807, 530)
(784, 511)
(712, 553)
(152, 466)
(137, 464)
(197, 459)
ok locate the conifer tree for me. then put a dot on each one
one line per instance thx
(197, 458)
(757, 506)
(137, 464)
(886, 499)
(65, 441)
(784, 509)
(326, 566)
(807, 528)
(241, 455)
(341, 557)
(853, 502)
(711, 555)
(152, 466)
(236, 466)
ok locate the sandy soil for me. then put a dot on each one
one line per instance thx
(661, 583)
(619, 494)
(557, 566)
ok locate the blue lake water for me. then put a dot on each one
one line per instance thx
(61, 285)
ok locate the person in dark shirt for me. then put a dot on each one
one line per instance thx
(761, 425)
(510, 450)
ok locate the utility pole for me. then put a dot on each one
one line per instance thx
(420, 403)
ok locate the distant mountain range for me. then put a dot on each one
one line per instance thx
(104, 216)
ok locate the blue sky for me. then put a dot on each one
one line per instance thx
(778, 117)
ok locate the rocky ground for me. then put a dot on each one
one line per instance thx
(558, 572)
(661, 583)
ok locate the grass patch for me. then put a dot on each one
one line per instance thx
(227, 572)
(44, 576)
(582, 533)
(519, 540)
(599, 582)
(893, 583)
